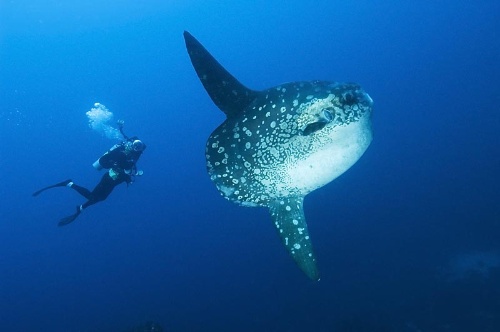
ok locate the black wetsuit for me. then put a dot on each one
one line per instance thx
(102, 190)
(120, 162)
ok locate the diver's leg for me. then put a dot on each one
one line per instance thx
(104, 188)
(81, 190)
(60, 184)
(79, 208)
(100, 192)
(87, 204)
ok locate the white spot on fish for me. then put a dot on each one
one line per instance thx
(228, 191)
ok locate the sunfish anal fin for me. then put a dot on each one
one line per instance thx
(288, 217)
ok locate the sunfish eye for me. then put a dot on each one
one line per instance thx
(326, 115)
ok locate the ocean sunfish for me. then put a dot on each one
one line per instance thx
(279, 144)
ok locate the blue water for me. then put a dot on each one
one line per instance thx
(406, 240)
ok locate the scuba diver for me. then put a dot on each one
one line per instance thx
(120, 161)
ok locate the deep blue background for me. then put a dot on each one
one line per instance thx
(388, 234)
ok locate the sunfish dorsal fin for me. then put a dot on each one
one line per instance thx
(288, 217)
(226, 91)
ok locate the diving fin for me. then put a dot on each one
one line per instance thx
(70, 219)
(60, 184)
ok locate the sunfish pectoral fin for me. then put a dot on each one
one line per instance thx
(288, 217)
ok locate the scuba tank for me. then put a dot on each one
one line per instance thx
(97, 164)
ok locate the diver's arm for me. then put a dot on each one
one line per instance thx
(120, 126)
